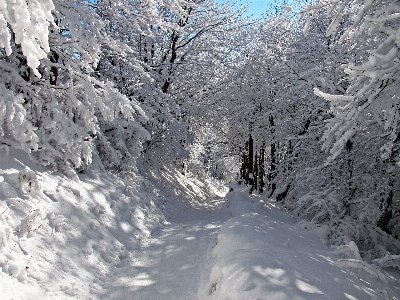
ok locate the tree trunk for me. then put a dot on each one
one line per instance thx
(54, 70)
(261, 169)
(387, 214)
(247, 169)
(255, 174)
(273, 152)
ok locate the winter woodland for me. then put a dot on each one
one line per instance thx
(301, 106)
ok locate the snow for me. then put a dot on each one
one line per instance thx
(266, 256)
(58, 242)
(29, 20)
(168, 266)
(332, 97)
(96, 237)
(13, 115)
(288, 8)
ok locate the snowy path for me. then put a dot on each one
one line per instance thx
(168, 266)
(256, 254)
(236, 247)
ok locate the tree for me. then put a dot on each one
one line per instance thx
(373, 75)
(364, 123)
(61, 103)
(184, 58)
(269, 98)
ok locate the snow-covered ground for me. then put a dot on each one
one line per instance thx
(60, 240)
(263, 254)
(100, 237)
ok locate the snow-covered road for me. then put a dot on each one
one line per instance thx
(168, 265)
(247, 253)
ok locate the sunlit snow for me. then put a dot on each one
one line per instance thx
(89, 240)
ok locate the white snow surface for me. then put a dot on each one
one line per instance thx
(100, 237)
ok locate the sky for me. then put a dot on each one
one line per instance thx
(257, 7)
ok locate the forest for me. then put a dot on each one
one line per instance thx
(300, 105)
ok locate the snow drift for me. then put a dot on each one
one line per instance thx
(63, 236)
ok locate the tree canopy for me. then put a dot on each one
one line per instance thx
(301, 107)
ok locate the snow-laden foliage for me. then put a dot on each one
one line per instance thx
(196, 89)
(388, 261)
(373, 74)
(26, 23)
(58, 111)
(275, 104)
(272, 97)
(361, 137)
(15, 128)
(167, 68)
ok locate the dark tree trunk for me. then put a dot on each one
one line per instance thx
(261, 169)
(248, 164)
(250, 155)
(273, 159)
(54, 70)
(351, 185)
(390, 212)
(244, 171)
(255, 174)
(272, 174)
(23, 69)
(387, 214)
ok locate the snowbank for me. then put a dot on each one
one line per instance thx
(265, 255)
(59, 237)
